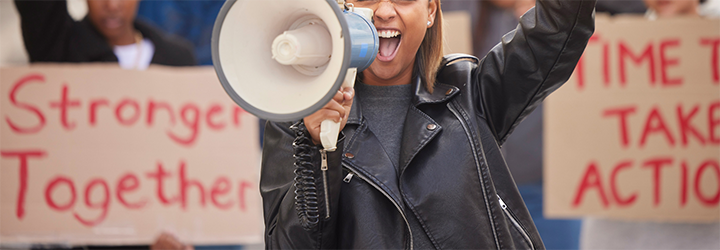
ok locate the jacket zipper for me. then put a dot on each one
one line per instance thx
(348, 177)
(351, 170)
(324, 168)
(477, 164)
(515, 222)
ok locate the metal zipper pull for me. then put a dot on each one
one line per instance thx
(397, 206)
(502, 203)
(323, 157)
(348, 177)
(324, 168)
(514, 221)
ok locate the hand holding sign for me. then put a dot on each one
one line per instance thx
(167, 241)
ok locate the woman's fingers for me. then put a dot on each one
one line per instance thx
(168, 241)
(338, 96)
(336, 110)
(348, 96)
(331, 111)
(337, 107)
(321, 115)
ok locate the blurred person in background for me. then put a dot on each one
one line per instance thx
(600, 233)
(109, 33)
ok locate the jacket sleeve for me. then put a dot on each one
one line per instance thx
(533, 60)
(294, 198)
(46, 29)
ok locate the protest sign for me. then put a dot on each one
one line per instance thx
(458, 38)
(635, 132)
(93, 154)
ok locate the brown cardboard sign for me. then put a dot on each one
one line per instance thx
(458, 35)
(635, 132)
(93, 154)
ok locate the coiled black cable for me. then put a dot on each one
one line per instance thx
(306, 193)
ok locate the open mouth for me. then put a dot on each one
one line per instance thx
(389, 44)
(111, 22)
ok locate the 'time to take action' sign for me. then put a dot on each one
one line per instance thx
(635, 133)
(92, 154)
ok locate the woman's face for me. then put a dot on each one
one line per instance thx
(401, 25)
(671, 8)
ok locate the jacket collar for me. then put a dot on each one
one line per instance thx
(441, 93)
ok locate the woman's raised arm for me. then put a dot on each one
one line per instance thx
(533, 60)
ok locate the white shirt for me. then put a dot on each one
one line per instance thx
(132, 56)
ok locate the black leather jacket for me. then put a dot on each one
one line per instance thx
(452, 176)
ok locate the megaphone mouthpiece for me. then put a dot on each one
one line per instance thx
(309, 45)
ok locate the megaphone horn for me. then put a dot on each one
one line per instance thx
(284, 60)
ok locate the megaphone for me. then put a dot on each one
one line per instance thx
(283, 60)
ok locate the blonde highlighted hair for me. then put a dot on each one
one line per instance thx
(430, 54)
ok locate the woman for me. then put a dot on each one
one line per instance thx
(418, 163)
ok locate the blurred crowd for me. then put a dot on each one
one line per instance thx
(137, 34)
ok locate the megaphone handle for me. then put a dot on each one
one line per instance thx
(329, 130)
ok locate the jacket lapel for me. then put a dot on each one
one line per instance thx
(419, 127)
(368, 156)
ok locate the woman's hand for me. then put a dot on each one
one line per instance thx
(338, 108)
(168, 241)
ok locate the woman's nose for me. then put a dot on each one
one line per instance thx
(385, 11)
(113, 4)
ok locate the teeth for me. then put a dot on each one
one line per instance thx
(388, 33)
